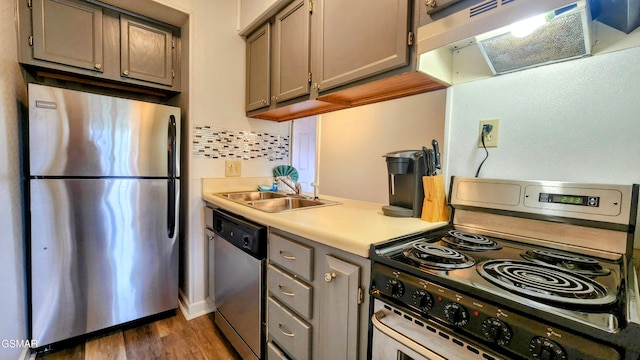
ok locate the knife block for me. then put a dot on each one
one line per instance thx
(434, 207)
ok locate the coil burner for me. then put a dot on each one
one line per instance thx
(437, 257)
(545, 282)
(572, 262)
(467, 241)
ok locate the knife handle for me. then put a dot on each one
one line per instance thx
(436, 150)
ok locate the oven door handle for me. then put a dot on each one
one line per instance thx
(396, 336)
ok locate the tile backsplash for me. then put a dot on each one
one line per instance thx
(215, 143)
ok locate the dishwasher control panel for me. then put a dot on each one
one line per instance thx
(242, 233)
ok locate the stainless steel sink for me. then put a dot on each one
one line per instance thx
(253, 195)
(269, 201)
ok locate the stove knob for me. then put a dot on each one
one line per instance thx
(395, 288)
(456, 314)
(497, 331)
(422, 300)
(547, 349)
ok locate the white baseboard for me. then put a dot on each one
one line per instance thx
(192, 311)
(27, 354)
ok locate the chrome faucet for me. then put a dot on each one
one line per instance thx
(296, 187)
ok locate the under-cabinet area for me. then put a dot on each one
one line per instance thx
(73, 39)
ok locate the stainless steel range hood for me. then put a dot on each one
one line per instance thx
(555, 30)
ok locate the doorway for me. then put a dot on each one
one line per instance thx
(303, 152)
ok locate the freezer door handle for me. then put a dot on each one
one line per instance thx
(171, 147)
(171, 187)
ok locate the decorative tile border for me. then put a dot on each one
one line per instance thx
(216, 143)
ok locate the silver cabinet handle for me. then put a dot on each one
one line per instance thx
(431, 3)
(288, 257)
(328, 277)
(284, 332)
(283, 290)
(264, 102)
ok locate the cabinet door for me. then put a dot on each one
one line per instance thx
(353, 40)
(145, 51)
(258, 55)
(209, 236)
(68, 32)
(291, 52)
(339, 299)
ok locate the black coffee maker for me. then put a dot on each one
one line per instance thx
(406, 194)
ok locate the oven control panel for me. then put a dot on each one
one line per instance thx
(477, 319)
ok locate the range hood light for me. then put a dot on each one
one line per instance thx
(525, 27)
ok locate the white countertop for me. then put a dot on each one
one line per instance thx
(350, 226)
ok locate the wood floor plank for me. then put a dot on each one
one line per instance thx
(108, 347)
(171, 338)
(210, 339)
(177, 345)
(171, 324)
(143, 343)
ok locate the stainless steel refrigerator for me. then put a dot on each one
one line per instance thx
(103, 202)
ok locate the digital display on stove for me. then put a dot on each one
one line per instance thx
(593, 201)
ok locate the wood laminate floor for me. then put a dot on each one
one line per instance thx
(172, 337)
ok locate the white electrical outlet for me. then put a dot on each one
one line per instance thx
(232, 168)
(491, 138)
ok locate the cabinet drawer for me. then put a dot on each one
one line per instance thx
(274, 352)
(288, 330)
(208, 217)
(291, 256)
(293, 293)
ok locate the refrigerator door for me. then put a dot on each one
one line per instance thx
(100, 254)
(74, 133)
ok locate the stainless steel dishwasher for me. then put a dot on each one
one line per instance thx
(239, 269)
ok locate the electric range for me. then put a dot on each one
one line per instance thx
(525, 269)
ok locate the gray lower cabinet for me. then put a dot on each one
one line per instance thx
(339, 305)
(74, 37)
(209, 234)
(317, 307)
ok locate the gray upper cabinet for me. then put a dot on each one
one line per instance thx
(146, 51)
(258, 78)
(68, 32)
(83, 41)
(333, 55)
(352, 40)
(291, 76)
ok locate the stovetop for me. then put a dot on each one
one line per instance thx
(536, 280)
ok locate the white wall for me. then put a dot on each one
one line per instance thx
(12, 281)
(573, 121)
(216, 98)
(353, 141)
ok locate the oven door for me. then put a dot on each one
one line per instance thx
(390, 344)
(398, 335)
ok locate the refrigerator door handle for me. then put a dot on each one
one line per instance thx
(171, 147)
(171, 187)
